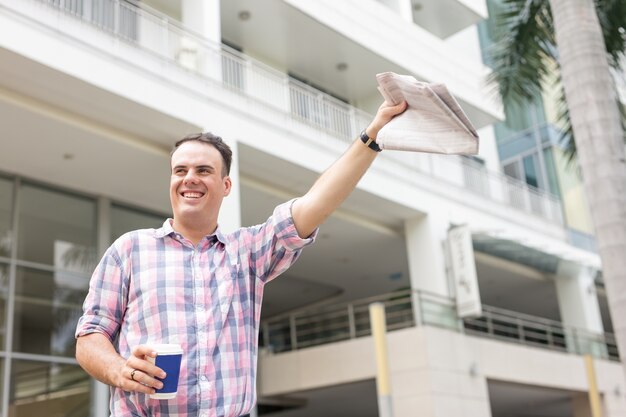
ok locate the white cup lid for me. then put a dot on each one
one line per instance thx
(167, 348)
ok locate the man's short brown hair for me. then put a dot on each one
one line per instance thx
(212, 140)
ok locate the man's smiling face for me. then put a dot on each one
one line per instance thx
(197, 186)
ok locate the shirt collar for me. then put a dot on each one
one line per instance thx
(168, 230)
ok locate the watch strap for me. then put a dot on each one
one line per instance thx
(369, 142)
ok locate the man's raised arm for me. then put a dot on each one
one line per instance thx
(338, 181)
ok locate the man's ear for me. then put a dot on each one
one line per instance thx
(228, 184)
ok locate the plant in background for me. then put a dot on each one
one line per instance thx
(583, 40)
(525, 55)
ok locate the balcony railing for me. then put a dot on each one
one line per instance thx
(50, 381)
(306, 328)
(536, 331)
(159, 35)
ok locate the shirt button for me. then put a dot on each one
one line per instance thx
(199, 308)
(203, 378)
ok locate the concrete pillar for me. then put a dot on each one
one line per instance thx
(613, 402)
(100, 393)
(579, 308)
(99, 401)
(425, 239)
(203, 18)
(230, 213)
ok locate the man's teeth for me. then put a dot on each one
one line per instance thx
(192, 195)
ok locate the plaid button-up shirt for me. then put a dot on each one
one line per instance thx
(153, 286)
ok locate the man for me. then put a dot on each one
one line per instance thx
(189, 284)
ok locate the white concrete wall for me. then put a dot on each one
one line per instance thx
(488, 149)
(465, 43)
(230, 214)
(578, 301)
(425, 236)
(437, 372)
(404, 8)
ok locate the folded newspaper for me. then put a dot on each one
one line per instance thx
(433, 121)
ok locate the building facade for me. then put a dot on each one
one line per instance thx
(490, 307)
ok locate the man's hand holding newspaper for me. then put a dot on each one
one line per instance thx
(433, 121)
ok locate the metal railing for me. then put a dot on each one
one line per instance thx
(334, 323)
(329, 324)
(512, 326)
(49, 381)
(536, 331)
(159, 35)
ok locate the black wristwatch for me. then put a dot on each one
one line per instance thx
(369, 142)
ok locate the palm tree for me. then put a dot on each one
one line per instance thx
(525, 56)
(583, 39)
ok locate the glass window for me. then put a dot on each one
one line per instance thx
(124, 219)
(48, 389)
(488, 31)
(6, 204)
(553, 182)
(4, 279)
(521, 118)
(4, 290)
(513, 170)
(530, 171)
(47, 308)
(56, 228)
(2, 360)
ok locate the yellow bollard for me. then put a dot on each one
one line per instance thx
(383, 383)
(594, 395)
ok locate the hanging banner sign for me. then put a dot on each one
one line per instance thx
(464, 272)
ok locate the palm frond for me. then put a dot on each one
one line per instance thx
(566, 137)
(525, 50)
(612, 17)
(525, 55)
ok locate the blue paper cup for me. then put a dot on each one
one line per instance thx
(168, 358)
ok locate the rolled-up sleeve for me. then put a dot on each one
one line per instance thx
(275, 245)
(104, 305)
(285, 229)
